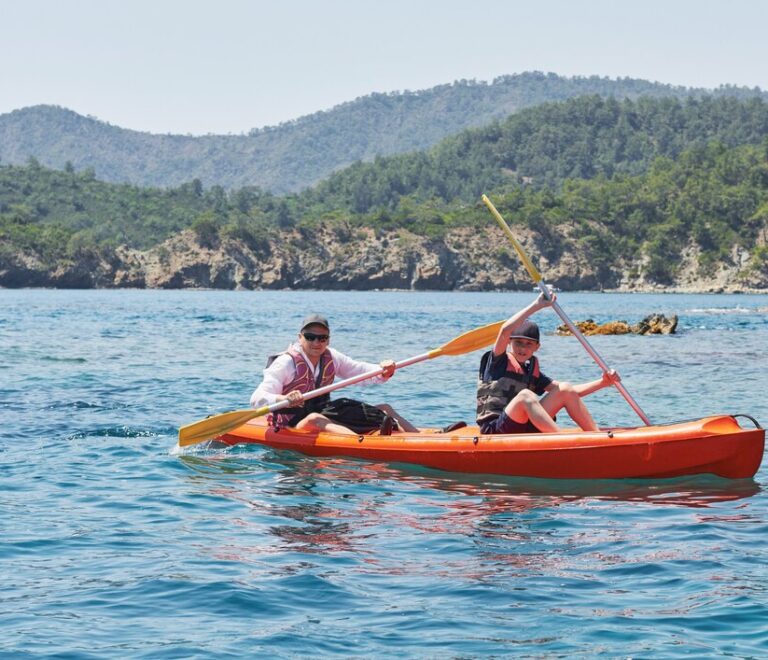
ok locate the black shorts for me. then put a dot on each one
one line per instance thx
(355, 415)
(503, 424)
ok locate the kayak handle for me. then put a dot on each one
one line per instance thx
(750, 418)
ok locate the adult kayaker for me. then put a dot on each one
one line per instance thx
(311, 363)
(510, 383)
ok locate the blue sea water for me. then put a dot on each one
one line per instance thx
(114, 545)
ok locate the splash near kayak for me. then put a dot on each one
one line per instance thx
(716, 445)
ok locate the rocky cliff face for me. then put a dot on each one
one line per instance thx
(328, 258)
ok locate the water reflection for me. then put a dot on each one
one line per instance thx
(300, 475)
(336, 505)
(293, 492)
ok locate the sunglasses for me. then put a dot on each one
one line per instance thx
(311, 336)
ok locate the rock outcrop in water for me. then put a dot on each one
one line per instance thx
(654, 324)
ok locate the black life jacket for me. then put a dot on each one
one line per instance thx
(497, 388)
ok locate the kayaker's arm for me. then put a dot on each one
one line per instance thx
(609, 378)
(346, 367)
(274, 379)
(514, 321)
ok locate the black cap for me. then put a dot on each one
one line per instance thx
(315, 319)
(527, 330)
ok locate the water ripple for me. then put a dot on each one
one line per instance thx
(117, 544)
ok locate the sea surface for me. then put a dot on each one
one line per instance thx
(113, 544)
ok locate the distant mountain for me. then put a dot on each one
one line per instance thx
(300, 153)
(539, 151)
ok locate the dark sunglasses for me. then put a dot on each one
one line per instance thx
(311, 336)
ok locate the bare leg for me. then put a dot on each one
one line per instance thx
(402, 423)
(563, 396)
(526, 407)
(322, 423)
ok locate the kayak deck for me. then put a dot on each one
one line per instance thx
(716, 445)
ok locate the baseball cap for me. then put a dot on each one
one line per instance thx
(315, 319)
(527, 330)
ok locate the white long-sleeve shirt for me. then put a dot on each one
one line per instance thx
(281, 372)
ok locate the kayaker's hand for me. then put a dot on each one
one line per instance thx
(389, 368)
(610, 377)
(295, 397)
(542, 301)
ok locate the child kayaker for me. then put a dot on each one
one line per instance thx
(309, 364)
(510, 383)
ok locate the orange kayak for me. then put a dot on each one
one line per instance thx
(716, 445)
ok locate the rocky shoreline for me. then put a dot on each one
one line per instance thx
(464, 259)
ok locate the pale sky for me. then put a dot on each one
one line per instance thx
(226, 66)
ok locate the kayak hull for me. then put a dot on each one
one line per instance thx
(714, 445)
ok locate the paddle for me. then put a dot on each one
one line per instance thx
(217, 425)
(536, 276)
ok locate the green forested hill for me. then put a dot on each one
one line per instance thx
(711, 198)
(636, 182)
(544, 146)
(61, 211)
(300, 153)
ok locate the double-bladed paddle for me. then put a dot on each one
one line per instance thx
(537, 279)
(216, 425)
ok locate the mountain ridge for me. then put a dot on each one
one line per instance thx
(298, 153)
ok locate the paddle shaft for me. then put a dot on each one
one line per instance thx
(212, 427)
(592, 352)
(465, 343)
(327, 389)
(536, 276)
(216, 425)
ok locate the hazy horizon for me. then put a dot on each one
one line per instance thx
(199, 67)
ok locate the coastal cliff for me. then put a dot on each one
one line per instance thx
(364, 259)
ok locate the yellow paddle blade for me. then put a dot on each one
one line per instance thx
(216, 425)
(535, 274)
(470, 341)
